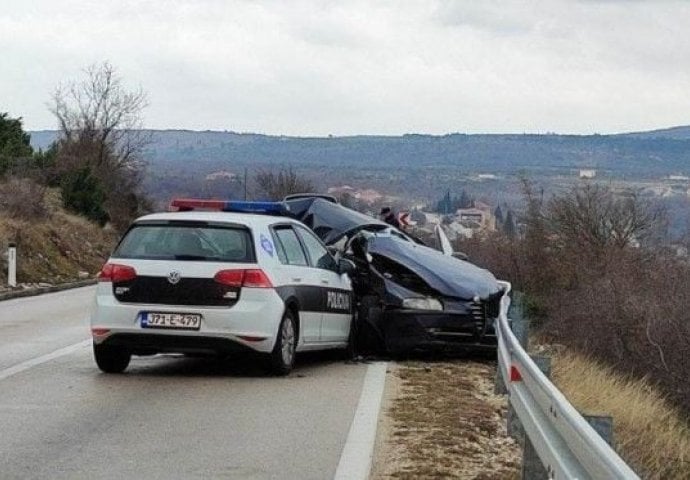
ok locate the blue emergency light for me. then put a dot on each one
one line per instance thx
(236, 206)
(240, 206)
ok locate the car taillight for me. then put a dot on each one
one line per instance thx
(112, 272)
(230, 278)
(251, 278)
(256, 279)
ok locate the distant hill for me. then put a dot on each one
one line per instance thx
(641, 154)
(675, 133)
(42, 138)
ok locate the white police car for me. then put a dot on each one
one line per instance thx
(216, 282)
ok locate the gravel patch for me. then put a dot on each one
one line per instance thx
(443, 420)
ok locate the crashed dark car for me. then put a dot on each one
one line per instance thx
(409, 296)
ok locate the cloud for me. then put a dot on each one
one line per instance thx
(314, 68)
(505, 18)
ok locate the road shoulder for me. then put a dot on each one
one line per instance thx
(442, 420)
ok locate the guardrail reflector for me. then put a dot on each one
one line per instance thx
(515, 375)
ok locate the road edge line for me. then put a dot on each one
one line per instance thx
(32, 362)
(357, 456)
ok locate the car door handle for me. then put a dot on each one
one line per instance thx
(325, 282)
(297, 280)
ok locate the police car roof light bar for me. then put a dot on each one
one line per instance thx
(187, 204)
(237, 206)
(253, 207)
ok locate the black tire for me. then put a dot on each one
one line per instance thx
(111, 359)
(282, 359)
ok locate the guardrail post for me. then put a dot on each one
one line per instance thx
(520, 322)
(12, 265)
(499, 384)
(515, 429)
(603, 424)
(532, 467)
(520, 326)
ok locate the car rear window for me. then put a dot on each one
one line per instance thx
(191, 242)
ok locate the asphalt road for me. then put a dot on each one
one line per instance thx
(168, 417)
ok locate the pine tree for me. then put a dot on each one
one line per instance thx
(498, 213)
(509, 227)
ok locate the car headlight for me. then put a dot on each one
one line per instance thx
(426, 303)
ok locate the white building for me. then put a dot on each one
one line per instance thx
(486, 176)
(588, 173)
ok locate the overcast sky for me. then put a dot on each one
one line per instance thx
(362, 67)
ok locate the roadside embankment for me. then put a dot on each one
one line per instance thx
(650, 434)
(53, 249)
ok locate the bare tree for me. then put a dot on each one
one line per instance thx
(101, 131)
(275, 186)
(593, 217)
(99, 109)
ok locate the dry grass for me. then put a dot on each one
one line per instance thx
(649, 433)
(55, 248)
(444, 421)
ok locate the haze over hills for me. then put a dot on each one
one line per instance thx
(639, 154)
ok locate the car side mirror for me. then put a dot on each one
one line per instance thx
(346, 266)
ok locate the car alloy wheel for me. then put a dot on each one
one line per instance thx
(282, 358)
(288, 341)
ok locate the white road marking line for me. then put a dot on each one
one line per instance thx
(355, 461)
(27, 364)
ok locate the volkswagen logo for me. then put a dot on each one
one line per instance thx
(174, 277)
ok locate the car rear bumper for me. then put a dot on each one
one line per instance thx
(252, 323)
(151, 343)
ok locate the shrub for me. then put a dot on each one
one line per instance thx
(594, 289)
(23, 198)
(82, 193)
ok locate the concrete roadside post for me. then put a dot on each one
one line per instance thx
(12, 265)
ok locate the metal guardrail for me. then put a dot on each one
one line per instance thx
(567, 445)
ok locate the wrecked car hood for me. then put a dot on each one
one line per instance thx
(449, 276)
(444, 274)
(331, 221)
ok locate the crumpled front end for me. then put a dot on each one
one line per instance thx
(461, 325)
(417, 299)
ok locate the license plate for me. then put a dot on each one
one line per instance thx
(183, 321)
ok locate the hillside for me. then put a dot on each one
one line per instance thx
(56, 248)
(643, 154)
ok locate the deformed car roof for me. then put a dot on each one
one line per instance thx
(331, 221)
